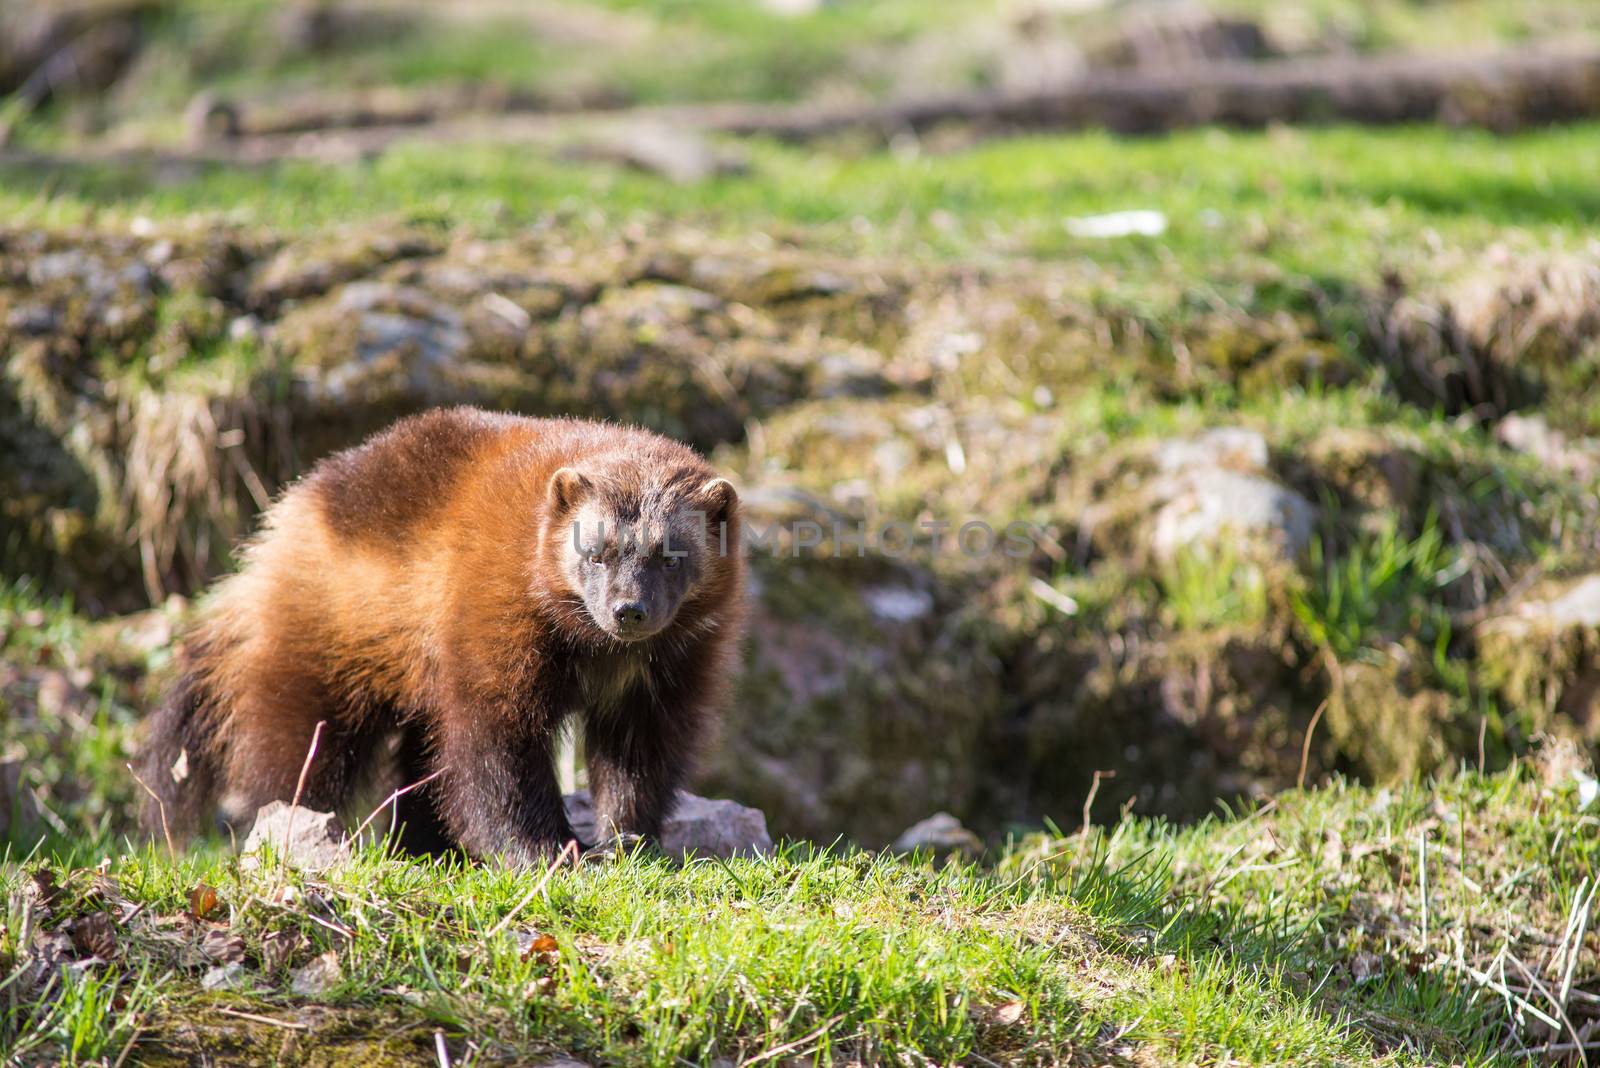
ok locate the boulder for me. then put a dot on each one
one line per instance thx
(308, 839)
(1205, 507)
(698, 826)
(1195, 493)
(942, 835)
(1228, 446)
(1542, 655)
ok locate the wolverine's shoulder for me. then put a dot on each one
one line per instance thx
(385, 485)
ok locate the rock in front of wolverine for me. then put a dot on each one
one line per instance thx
(698, 826)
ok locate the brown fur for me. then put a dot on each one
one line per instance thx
(422, 585)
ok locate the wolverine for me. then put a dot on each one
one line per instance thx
(445, 597)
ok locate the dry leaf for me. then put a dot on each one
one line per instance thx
(279, 948)
(318, 977)
(536, 945)
(222, 947)
(202, 900)
(41, 890)
(1008, 1013)
(95, 935)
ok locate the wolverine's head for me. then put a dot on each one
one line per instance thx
(635, 554)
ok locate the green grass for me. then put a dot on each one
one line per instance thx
(1214, 588)
(1302, 933)
(1326, 204)
(1384, 583)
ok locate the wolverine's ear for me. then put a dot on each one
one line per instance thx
(718, 500)
(567, 488)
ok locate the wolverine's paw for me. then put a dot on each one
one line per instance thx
(616, 847)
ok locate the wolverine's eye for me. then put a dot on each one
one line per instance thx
(597, 560)
(671, 562)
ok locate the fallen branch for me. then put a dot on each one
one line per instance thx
(1502, 90)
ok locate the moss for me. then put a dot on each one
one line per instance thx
(333, 1038)
(1541, 658)
(1386, 716)
(1369, 469)
(310, 268)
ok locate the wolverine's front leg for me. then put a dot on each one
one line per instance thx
(637, 755)
(499, 793)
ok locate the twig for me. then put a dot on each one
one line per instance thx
(1483, 729)
(1563, 1047)
(1088, 802)
(333, 925)
(385, 803)
(505, 921)
(1561, 1010)
(289, 1024)
(161, 807)
(1422, 865)
(1336, 676)
(787, 1047)
(299, 791)
(1577, 923)
(1506, 992)
(133, 1039)
(1305, 743)
(441, 1050)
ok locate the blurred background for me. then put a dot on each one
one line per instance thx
(1280, 321)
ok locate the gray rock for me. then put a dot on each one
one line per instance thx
(1205, 507)
(226, 977)
(1575, 605)
(700, 826)
(940, 834)
(1229, 446)
(309, 840)
(1533, 435)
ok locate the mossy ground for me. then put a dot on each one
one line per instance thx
(856, 331)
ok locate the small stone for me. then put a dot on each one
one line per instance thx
(318, 977)
(940, 834)
(716, 828)
(698, 825)
(209, 118)
(34, 319)
(225, 977)
(897, 604)
(316, 842)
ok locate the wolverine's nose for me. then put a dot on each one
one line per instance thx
(631, 614)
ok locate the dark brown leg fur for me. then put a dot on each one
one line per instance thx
(499, 794)
(637, 757)
(178, 764)
(419, 828)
